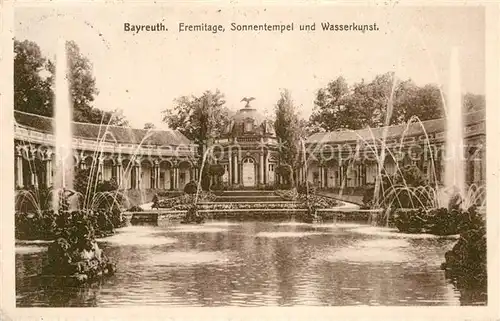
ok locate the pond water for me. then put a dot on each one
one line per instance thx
(254, 264)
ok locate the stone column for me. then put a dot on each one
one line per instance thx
(119, 173)
(261, 167)
(48, 172)
(135, 181)
(19, 170)
(139, 176)
(240, 172)
(230, 168)
(236, 170)
(155, 175)
(34, 179)
(176, 178)
(100, 169)
(266, 167)
(483, 164)
(321, 175)
(341, 175)
(158, 176)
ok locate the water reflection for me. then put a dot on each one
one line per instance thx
(253, 264)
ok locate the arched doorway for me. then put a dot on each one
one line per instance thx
(248, 172)
(146, 172)
(184, 174)
(165, 175)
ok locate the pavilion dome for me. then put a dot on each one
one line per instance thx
(248, 121)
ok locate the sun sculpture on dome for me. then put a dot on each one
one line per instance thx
(248, 100)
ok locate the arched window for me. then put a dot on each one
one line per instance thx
(248, 125)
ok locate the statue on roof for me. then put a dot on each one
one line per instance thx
(248, 100)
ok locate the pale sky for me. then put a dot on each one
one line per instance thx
(143, 73)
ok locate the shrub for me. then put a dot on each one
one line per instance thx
(287, 195)
(466, 263)
(410, 174)
(285, 186)
(135, 208)
(306, 187)
(33, 199)
(285, 171)
(217, 187)
(440, 221)
(193, 216)
(317, 201)
(191, 188)
(216, 170)
(107, 186)
(186, 200)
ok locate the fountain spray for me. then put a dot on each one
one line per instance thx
(454, 170)
(63, 169)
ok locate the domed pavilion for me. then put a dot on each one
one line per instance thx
(248, 149)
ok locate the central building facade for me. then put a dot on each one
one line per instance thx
(248, 150)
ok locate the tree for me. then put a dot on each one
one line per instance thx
(217, 171)
(34, 77)
(287, 129)
(199, 118)
(369, 101)
(32, 91)
(423, 102)
(329, 106)
(149, 126)
(473, 102)
(338, 106)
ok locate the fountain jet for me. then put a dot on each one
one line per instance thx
(454, 168)
(63, 169)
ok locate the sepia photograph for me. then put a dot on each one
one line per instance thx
(249, 156)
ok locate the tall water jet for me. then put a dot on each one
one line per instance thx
(63, 112)
(454, 168)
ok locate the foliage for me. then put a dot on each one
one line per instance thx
(410, 175)
(107, 186)
(339, 106)
(306, 188)
(169, 193)
(135, 208)
(394, 192)
(32, 91)
(218, 187)
(34, 199)
(149, 126)
(75, 251)
(318, 201)
(474, 102)
(87, 184)
(33, 84)
(466, 263)
(437, 221)
(199, 118)
(191, 188)
(285, 171)
(287, 195)
(193, 215)
(216, 170)
(184, 201)
(288, 130)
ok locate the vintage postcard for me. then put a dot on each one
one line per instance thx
(249, 160)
